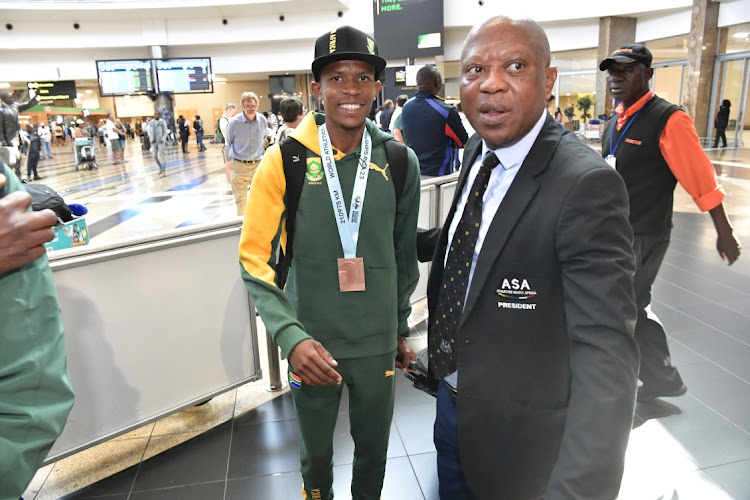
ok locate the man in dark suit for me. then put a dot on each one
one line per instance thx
(535, 350)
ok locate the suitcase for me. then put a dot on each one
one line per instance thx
(145, 142)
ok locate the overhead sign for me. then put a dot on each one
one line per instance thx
(122, 77)
(409, 28)
(184, 75)
(54, 91)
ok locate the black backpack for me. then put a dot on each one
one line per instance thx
(45, 197)
(217, 134)
(294, 156)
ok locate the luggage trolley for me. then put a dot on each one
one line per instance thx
(85, 154)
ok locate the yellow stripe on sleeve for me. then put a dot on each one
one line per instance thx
(263, 224)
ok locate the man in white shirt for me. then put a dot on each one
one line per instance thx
(113, 137)
(229, 111)
(46, 135)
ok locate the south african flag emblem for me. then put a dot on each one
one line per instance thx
(294, 380)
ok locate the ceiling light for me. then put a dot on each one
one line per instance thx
(741, 34)
(89, 91)
(4, 85)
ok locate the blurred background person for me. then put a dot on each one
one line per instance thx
(198, 127)
(46, 136)
(721, 122)
(292, 112)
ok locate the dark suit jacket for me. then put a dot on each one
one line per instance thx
(548, 366)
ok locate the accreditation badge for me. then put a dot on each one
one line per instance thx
(611, 161)
(351, 274)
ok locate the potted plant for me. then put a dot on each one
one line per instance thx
(584, 104)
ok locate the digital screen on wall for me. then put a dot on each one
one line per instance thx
(409, 28)
(282, 84)
(54, 91)
(400, 78)
(184, 75)
(122, 77)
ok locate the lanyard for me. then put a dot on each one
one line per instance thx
(348, 227)
(630, 122)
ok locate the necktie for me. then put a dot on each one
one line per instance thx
(452, 294)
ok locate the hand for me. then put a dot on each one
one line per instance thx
(404, 349)
(311, 361)
(228, 171)
(22, 234)
(729, 246)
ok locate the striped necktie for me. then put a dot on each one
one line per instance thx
(442, 336)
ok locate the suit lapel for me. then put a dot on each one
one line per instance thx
(519, 195)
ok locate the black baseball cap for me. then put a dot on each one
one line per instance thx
(629, 54)
(346, 43)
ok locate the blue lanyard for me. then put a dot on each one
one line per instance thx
(613, 151)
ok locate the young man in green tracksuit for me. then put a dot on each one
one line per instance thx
(35, 391)
(343, 314)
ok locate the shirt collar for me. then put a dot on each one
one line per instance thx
(513, 156)
(244, 118)
(623, 115)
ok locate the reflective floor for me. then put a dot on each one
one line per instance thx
(130, 199)
(244, 444)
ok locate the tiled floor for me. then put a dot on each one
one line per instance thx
(244, 444)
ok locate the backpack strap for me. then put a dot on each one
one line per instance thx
(293, 155)
(397, 157)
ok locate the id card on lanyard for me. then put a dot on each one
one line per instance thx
(351, 269)
(610, 158)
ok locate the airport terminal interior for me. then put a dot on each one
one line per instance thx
(243, 443)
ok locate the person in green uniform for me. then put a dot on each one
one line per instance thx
(35, 392)
(342, 315)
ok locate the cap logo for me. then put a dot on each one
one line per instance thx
(623, 50)
(332, 42)
(371, 45)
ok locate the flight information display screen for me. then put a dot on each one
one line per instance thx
(409, 28)
(122, 77)
(184, 75)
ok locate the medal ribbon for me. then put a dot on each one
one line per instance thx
(348, 226)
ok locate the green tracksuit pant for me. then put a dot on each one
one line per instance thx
(371, 385)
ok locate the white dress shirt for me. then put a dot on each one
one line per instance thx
(511, 159)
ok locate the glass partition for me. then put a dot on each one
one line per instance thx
(572, 87)
(667, 82)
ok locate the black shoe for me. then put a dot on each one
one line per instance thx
(38, 177)
(646, 393)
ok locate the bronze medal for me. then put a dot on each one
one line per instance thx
(351, 274)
